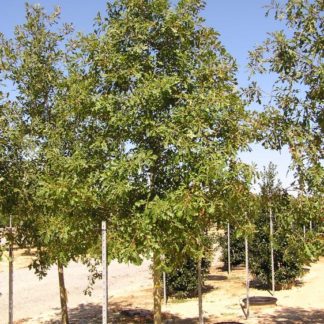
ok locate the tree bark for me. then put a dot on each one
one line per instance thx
(63, 295)
(157, 289)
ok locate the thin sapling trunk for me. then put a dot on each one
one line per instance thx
(63, 295)
(157, 289)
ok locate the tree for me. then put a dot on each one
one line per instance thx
(34, 64)
(289, 247)
(166, 92)
(294, 114)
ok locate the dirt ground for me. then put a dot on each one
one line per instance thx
(22, 259)
(304, 303)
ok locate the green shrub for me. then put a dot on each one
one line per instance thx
(182, 281)
(289, 256)
(291, 251)
(237, 249)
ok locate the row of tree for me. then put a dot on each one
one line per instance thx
(139, 123)
(291, 226)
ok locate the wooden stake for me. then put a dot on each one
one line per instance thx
(104, 273)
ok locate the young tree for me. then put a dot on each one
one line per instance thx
(166, 90)
(294, 115)
(286, 241)
(34, 64)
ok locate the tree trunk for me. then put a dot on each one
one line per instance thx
(157, 289)
(63, 295)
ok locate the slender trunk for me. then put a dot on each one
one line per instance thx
(200, 307)
(63, 295)
(157, 289)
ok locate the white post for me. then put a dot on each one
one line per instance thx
(310, 225)
(247, 278)
(304, 228)
(228, 249)
(104, 274)
(200, 307)
(272, 256)
(164, 289)
(10, 273)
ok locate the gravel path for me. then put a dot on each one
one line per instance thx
(34, 297)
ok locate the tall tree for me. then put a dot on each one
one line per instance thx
(166, 92)
(34, 64)
(294, 115)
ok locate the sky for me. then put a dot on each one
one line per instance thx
(242, 25)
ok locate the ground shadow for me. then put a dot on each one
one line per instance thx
(257, 284)
(216, 277)
(119, 313)
(224, 267)
(294, 315)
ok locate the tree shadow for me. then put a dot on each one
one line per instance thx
(118, 313)
(294, 315)
(216, 277)
(259, 285)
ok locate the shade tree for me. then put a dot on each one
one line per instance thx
(166, 89)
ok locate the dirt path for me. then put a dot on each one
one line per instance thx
(33, 297)
(131, 299)
(301, 304)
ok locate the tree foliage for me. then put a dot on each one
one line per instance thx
(292, 251)
(294, 114)
(166, 93)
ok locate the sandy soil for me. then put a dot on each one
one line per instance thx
(36, 301)
(303, 303)
(131, 302)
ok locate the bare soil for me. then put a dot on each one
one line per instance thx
(303, 303)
